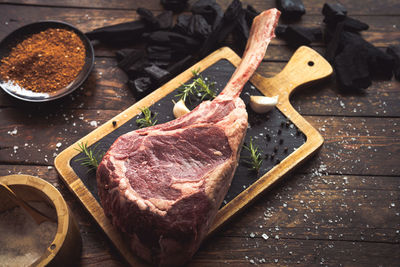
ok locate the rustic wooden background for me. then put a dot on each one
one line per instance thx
(340, 208)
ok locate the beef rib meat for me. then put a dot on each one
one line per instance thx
(163, 185)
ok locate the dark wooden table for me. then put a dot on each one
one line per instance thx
(340, 208)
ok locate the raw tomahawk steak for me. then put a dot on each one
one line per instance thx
(163, 185)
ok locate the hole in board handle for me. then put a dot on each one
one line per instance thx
(53, 246)
(310, 63)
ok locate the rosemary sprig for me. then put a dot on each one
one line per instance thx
(148, 119)
(199, 85)
(206, 88)
(255, 159)
(92, 157)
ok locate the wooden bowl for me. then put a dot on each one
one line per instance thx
(65, 249)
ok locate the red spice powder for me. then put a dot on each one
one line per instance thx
(46, 61)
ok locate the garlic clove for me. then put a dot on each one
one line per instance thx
(180, 109)
(263, 104)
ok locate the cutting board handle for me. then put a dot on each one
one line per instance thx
(305, 66)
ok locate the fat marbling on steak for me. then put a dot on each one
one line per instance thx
(163, 185)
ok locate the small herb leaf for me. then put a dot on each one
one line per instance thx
(148, 119)
(255, 159)
(92, 157)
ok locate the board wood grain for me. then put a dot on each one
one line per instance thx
(305, 66)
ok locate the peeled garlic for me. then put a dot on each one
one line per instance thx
(263, 104)
(180, 109)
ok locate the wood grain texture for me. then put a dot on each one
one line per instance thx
(336, 209)
(106, 89)
(382, 32)
(385, 7)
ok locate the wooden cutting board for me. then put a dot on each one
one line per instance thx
(283, 136)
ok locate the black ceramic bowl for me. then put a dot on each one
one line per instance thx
(26, 31)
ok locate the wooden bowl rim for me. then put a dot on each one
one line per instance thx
(57, 201)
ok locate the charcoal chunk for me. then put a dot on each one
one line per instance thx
(182, 23)
(296, 36)
(171, 39)
(198, 27)
(210, 10)
(394, 51)
(251, 13)
(351, 68)
(193, 25)
(241, 34)
(380, 64)
(181, 65)
(280, 30)
(122, 53)
(119, 33)
(165, 20)
(354, 25)
(159, 52)
(223, 29)
(156, 73)
(147, 16)
(333, 41)
(358, 61)
(174, 5)
(291, 9)
(333, 12)
(140, 87)
(130, 59)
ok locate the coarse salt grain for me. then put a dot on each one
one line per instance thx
(22, 240)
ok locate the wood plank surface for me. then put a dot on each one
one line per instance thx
(340, 208)
(383, 29)
(384, 7)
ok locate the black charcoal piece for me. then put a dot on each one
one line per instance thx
(354, 25)
(296, 36)
(174, 5)
(280, 30)
(223, 29)
(210, 10)
(198, 27)
(291, 9)
(333, 41)
(333, 12)
(119, 33)
(172, 39)
(158, 52)
(182, 23)
(241, 34)
(137, 68)
(165, 20)
(140, 86)
(130, 59)
(394, 51)
(148, 17)
(156, 73)
(122, 53)
(251, 13)
(181, 65)
(380, 64)
(351, 67)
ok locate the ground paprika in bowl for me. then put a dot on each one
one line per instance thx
(45, 60)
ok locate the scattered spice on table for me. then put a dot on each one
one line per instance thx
(46, 61)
